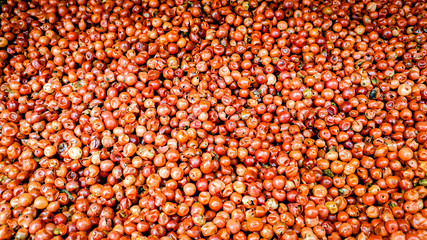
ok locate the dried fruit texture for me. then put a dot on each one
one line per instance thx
(213, 119)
